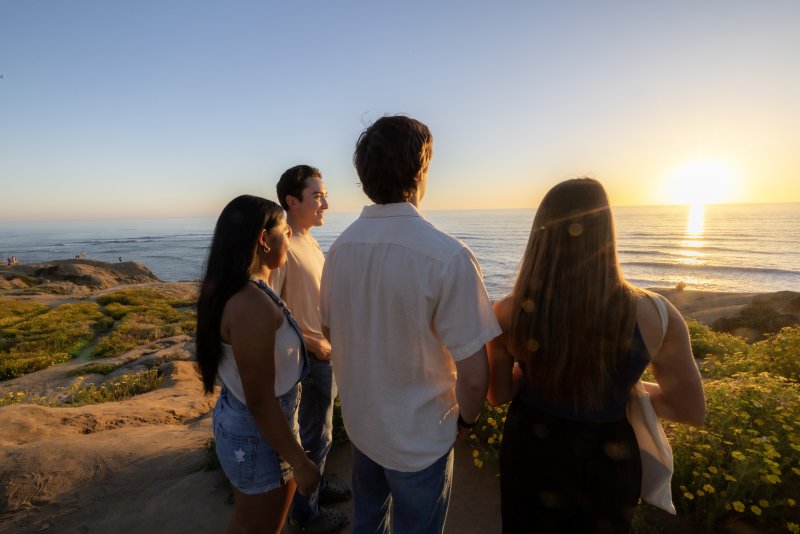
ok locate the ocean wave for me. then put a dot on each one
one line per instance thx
(723, 268)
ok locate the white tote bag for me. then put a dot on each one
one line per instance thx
(654, 448)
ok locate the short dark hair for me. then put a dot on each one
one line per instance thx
(389, 156)
(293, 181)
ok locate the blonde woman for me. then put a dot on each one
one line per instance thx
(576, 338)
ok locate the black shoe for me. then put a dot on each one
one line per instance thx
(327, 522)
(333, 493)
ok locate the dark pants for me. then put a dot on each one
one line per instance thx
(558, 475)
(316, 428)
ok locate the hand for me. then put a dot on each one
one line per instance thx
(307, 477)
(320, 347)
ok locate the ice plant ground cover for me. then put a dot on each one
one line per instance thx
(745, 463)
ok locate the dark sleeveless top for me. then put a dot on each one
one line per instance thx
(614, 408)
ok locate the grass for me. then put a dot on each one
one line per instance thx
(141, 327)
(95, 369)
(145, 315)
(34, 337)
(41, 339)
(744, 465)
(114, 389)
(14, 311)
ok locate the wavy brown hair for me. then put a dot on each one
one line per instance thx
(389, 157)
(573, 313)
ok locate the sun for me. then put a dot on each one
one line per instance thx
(701, 182)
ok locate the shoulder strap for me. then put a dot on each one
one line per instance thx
(663, 314)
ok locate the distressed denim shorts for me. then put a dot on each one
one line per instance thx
(248, 460)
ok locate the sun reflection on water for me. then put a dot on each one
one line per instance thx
(690, 250)
(694, 226)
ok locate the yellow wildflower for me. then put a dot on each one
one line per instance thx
(709, 488)
(796, 471)
(491, 421)
(755, 509)
(688, 495)
(730, 478)
(738, 506)
(478, 463)
(791, 502)
(490, 441)
(712, 469)
(794, 528)
(737, 455)
(771, 478)
(475, 454)
(763, 503)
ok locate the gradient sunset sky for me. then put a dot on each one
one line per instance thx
(172, 108)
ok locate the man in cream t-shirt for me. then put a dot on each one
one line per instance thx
(302, 193)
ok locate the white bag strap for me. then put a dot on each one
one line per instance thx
(663, 314)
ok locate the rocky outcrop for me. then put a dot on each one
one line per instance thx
(72, 276)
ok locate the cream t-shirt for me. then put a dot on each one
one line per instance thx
(403, 302)
(297, 282)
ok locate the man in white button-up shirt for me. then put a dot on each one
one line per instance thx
(407, 314)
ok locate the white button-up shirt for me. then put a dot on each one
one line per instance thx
(403, 302)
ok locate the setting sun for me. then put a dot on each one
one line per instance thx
(702, 182)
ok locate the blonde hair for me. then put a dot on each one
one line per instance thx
(573, 313)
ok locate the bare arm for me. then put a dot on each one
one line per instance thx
(471, 385)
(250, 322)
(504, 376)
(678, 393)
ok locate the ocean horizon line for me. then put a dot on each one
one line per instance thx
(83, 219)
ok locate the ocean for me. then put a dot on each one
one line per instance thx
(752, 248)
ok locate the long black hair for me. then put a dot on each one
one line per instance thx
(231, 259)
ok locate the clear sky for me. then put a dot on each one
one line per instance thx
(171, 108)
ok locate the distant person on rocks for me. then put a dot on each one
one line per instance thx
(576, 338)
(120, 259)
(407, 314)
(248, 340)
(83, 254)
(303, 195)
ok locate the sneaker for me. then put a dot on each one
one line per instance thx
(333, 493)
(328, 521)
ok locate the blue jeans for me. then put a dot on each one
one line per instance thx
(247, 458)
(316, 429)
(386, 501)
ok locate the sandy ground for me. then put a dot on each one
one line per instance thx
(138, 465)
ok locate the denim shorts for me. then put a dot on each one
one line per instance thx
(248, 460)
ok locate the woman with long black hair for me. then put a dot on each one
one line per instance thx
(247, 340)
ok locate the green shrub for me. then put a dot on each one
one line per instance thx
(339, 433)
(779, 355)
(707, 342)
(746, 462)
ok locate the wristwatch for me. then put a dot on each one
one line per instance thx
(463, 424)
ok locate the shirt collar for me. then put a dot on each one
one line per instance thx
(399, 209)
